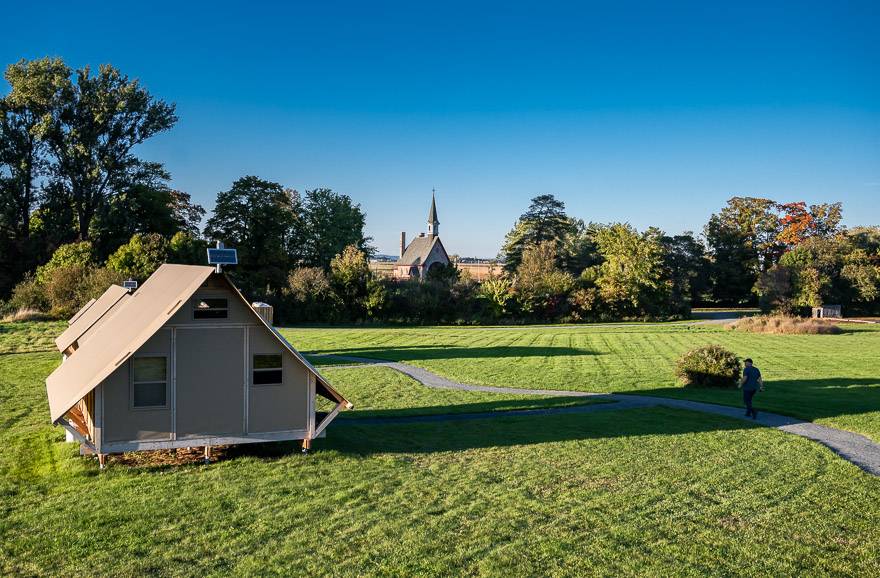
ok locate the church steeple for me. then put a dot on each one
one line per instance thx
(433, 223)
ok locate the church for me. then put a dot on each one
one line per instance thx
(424, 252)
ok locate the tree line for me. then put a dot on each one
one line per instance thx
(785, 257)
(79, 210)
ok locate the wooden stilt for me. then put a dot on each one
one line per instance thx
(306, 445)
(102, 460)
(207, 454)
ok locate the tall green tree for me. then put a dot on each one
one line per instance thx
(743, 240)
(687, 266)
(631, 279)
(37, 91)
(545, 220)
(102, 118)
(260, 219)
(331, 222)
(146, 206)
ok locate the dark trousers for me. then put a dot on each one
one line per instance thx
(748, 394)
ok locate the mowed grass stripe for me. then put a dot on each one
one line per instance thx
(831, 379)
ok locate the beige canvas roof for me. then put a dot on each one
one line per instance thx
(82, 321)
(81, 311)
(138, 317)
(137, 320)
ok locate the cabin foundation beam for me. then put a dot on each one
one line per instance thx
(207, 454)
(306, 445)
(102, 461)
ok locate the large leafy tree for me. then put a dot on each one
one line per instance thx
(799, 223)
(102, 118)
(37, 91)
(743, 241)
(147, 206)
(331, 222)
(631, 279)
(686, 264)
(261, 219)
(545, 220)
(822, 270)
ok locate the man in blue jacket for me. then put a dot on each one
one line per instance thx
(751, 383)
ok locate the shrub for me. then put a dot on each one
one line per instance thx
(708, 366)
(28, 294)
(497, 294)
(785, 325)
(185, 249)
(65, 256)
(310, 296)
(69, 288)
(142, 255)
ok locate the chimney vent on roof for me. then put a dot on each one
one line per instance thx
(402, 243)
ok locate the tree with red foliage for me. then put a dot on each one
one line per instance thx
(799, 223)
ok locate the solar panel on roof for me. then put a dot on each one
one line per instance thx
(222, 257)
(130, 284)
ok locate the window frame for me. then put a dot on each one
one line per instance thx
(279, 369)
(132, 383)
(195, 309)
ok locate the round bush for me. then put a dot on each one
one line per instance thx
(709, 366)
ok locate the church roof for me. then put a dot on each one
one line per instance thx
(432, 215)
(418, 250)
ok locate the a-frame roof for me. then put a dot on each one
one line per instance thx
(419, 249)
(137, 319)
(89, 316)
(82, 310)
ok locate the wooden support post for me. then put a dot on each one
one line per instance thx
(102, 460)
(307, 445)
(207, 454)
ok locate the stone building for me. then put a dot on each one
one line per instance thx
(424, 252)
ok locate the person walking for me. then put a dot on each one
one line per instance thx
(751, 383)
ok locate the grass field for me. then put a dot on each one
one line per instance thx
(650, 491)
(830, 379)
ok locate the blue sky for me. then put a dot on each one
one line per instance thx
(648, 112)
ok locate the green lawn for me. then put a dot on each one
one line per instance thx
(640, 492)
(29, 337)
(830, 379)
(383, 392)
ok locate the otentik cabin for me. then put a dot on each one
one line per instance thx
(182, 361)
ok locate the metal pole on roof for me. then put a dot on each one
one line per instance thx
(218, 266)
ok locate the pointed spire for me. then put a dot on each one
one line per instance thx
(432, 215)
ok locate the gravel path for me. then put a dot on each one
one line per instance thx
(854, 448)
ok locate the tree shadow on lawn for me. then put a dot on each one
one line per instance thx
(417, 352)
(807, 399)
(524, 402)
(443, 436)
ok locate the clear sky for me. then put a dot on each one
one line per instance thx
(648, 112)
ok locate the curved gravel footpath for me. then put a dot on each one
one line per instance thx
(854, 448)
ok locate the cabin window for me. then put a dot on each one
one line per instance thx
(267, 370)
(210, 308)
(149, 382)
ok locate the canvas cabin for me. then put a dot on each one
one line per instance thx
(183, 361)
